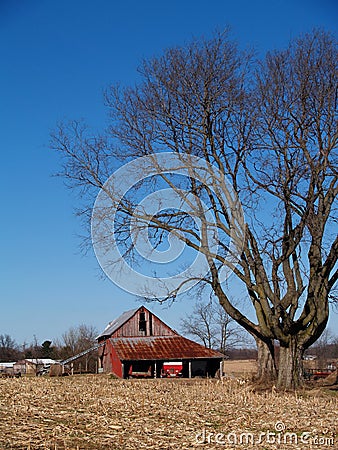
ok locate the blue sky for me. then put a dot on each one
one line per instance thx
(57, 57)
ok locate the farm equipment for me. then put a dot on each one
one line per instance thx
(172, 369)
(317, 374)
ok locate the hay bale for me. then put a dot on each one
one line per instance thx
(55, 370)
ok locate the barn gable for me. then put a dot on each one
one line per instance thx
(139, 322)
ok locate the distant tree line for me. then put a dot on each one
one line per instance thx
(72, 342)
(326, 347)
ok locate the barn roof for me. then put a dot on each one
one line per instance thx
(161, 348)
(117, 323)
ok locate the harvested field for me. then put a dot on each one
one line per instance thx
(98, 412)
(245, 367)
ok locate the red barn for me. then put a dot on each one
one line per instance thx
(138, 344)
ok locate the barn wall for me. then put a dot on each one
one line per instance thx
(153, 326)
(105, 358)
(111, 363)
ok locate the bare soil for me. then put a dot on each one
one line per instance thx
(99, 412)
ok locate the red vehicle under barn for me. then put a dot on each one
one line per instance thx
(172, 369)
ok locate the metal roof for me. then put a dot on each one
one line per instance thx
(162, 348)
(6, 364)
(40, 361)
(117, 323)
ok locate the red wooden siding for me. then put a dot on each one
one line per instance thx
(153, 326)
(111, 362)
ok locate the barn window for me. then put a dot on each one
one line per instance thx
(142, 322)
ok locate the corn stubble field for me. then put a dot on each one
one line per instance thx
(98, 412)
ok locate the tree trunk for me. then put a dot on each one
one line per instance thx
(266, 367)
(290, 369)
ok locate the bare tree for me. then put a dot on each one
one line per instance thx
(323, 347)
(272, 132)
(9, 350)
(294, 161)
(76, 340)
(212, 326)
(201, 325)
